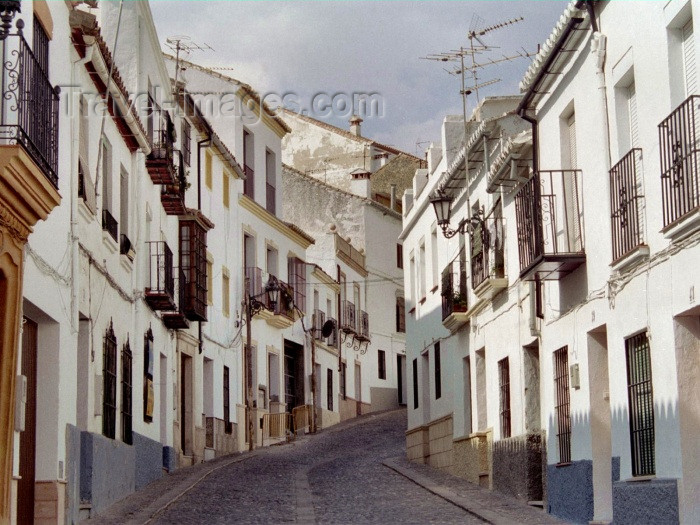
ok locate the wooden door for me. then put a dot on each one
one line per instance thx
(27, 439)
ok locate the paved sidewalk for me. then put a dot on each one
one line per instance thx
(492, 507)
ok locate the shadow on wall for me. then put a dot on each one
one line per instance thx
(517, 466)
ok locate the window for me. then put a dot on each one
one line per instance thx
(127, 396)
(689, 69)
(400, 315)
(193, 269)
(109, 383)
(329, 389)
(210, 279)
(434, 257)
(225, 292)
(412, 280)
(272, 261)
(107, 179)
(248, 164)
(381, 365)
(438, 371)
(186, 142)
(421, 275)
(504, 387)
(148, 364)
(297, 280)
(228, 426)
(641, 405)
(208, 177)
(571, 162)
(124, 206)
(415, 383)
(271, 176)
(225, 188)
(562, 409)
(40, 46)
(343, 376)
(399, 256)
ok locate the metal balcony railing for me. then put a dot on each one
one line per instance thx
(348, 250)
(363, 324)
(110, 225)
(454, 289)
(160, 292)
(319, 319)
(626, 202)
(285, 303)
(348, 322)
(249, 182)
(332, 340)
(173, 195)
(549, 214)
(162, 133)
(29, 106)
(256, 286)
(680, 164)
(487, 251)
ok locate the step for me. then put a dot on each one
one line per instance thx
(536, 503)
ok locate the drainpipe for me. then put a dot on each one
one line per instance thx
(598, 48)
(200, 143)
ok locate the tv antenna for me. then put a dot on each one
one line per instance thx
(183, 44)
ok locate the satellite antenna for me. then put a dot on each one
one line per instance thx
(183, 44)
(327, 328)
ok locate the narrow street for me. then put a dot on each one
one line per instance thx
(337, 476)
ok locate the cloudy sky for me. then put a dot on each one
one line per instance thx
(317, 50)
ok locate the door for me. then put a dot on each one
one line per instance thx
(27, 439)
(401, 376)
(358, 388)
(186, 414)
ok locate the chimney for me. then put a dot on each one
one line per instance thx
(360, 184)
(393, 197)
(355, 122)
(434, 155)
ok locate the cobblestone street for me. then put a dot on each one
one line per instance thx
(337, 476)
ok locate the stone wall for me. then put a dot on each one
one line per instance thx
(440, 443)
(417, 444)
(148, 465)
(217, 438)
(650, 501)
(472, 458)
(570, 491)
(384, 398)
(517, 466)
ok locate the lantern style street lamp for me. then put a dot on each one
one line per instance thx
(8, 10)
(442, 203)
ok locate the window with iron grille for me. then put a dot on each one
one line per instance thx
(186, 142)
(343, 375)
(193, 266)
(504, 387)
(148, 356)
(381, 355)
(109, 383)
(438, 372)
(399, 256)
(562, 409)
(641, 404)
(415, 383)
(127, 394)
(40, 46)
(228, 426)
(297, 279)
(329, 389)
(400, 315)
(626, 202)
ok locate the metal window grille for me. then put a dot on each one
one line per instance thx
(678, 140)
(329, 390)
(186, 142)
(562, 409)
(109, 383)
(400, 315)
(297, 279)
(381, 356)
(625, 204)
(343, 376)
(148, 364)
(228, 426)
(454, 288)
(504, 386)
(415, 383)
(40, 45)
(641, 404)
(438, 372)
(399, 256)
(127, 394)
(193, 265)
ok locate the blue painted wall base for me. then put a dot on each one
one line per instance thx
(654, 501)
(570, 491)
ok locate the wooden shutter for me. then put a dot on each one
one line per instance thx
(571, 125)
(690, 71)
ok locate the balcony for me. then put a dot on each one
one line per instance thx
(284, 309)
(347, 320)
(160, 162)
(160, 292)
(178, 320)
(110, 225)
(680, 180)
(454, 296)
(549, 214)
(319, 320)
(256, 281)
(29, 107)
(172, 195)
(332, 340)
(193, 266)
(488, 258)
(362, 326)
(626, 205)
(249, 182)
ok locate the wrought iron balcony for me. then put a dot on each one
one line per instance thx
(332, 340)
(256, 285)
(110, 225)
(679, 149)
(454, 290)
(160, 292)
(549, 214)
(363, 325)
(249, 182)
(29, 107)
(177, 320)
(319, 319)
(172, 195)
(348, 322)
(160, 163)
(193, 266)
(285, 304)
(487, 256)
(626, 202)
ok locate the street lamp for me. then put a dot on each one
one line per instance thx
(8, 10)
(253, 305)
(442, 203)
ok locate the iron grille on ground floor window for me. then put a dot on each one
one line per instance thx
(329, 390)
(381, 357)
(109, 385)
(438, 372)
(415, 383)
(228, 426)
(504, 386)
(343, 375)
(562, 409)
(641, 404)
(400, 315)
(127, 396)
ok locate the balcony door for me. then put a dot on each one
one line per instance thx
(27, 439)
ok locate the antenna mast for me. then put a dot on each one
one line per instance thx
(184, 44)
